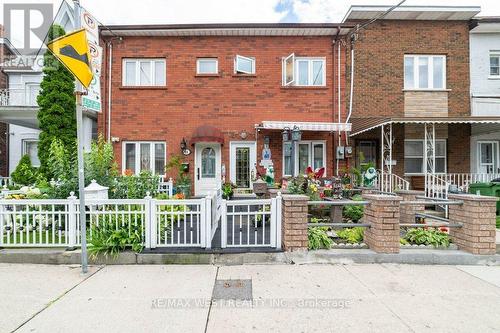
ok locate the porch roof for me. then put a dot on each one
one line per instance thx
(361, 125)
(305, 126)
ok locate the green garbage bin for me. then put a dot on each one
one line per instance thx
(488, 189)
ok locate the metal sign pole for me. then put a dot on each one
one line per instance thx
(81, 174)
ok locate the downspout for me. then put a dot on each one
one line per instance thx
(110, 61)
(336, 41)
(351, 91)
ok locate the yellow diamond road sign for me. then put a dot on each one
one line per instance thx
(73, 51)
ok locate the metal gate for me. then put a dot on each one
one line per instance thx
(251, 223)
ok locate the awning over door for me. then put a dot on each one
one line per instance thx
(207, 133)
(361, 125)
(305, 126)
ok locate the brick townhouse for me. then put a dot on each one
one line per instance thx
(411, 111)
(223, 94)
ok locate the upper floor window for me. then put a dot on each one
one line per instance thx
(495, 64)
(244, 65)
(144, 156)
(304, 71)
(144, 72)
(425, 72)
(207, 66)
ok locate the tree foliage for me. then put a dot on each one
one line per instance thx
(56, 100)
(25, 173)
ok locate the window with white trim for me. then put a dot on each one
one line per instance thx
(144, 72)
(244, 65)
(303, 71)
(144, 156)
(425, 72)
(207, 66)
(307, 153)
(495, 64)
(415, 157)
(30, 148)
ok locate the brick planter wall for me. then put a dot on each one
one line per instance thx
(407, 212)
(294, 222)
(383, 215)
(478, 216)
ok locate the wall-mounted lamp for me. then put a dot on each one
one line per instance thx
(296, 133)
(183, 144)
(286, 132)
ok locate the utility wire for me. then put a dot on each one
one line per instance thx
(378, 17)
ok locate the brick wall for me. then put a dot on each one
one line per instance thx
(232, 103)
(383, 215)
(294, 222)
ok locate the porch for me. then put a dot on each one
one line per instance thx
(435, 155)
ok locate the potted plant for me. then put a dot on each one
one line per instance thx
(228, 190)
(182, 182)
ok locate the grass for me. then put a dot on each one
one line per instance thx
(34, 238)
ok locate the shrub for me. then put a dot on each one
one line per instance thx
(134, 187)
(351, 235)
(429, 236)
(318, 238)
(354, 212)
(25, 173)
(100, 163)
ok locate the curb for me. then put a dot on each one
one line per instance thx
(337, 256)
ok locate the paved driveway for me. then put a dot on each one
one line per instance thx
(284, 298)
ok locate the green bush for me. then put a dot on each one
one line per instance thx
(100, 163)
(318, 238)
(135, 186)
(25, 173)
(352, 235)
(354, 212)
(430, 236)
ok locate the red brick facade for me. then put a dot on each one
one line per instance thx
(232, 103)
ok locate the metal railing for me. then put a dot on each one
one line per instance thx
(338, 203)
(463, 180)
(19, 97)
(389, 182)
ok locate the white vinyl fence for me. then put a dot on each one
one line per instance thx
(158, 223)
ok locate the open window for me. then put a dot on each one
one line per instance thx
(289, 70)
(244, 65)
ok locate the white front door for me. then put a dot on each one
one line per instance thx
(207, 168)
(243, 160)
(488, 157)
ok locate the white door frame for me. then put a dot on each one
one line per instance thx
(495, 151)
(199, 187)
(232, 157)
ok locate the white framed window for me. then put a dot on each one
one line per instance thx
(144, 156)
(303, 71)
(30, 148)
(207, 66)
(425, 72)
(144, 72)
(495, 64)
(244, 65)
(307, 153)
(415, 157)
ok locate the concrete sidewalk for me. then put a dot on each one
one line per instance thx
(286, 298)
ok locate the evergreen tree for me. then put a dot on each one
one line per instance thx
(56, 116)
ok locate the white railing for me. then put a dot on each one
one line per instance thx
(181, 223)
(251, 223)
(166, 186)
(436, 186)
(19, 97)
(390, 182)
(5, 182)
(463, 180)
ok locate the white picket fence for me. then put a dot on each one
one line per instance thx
(159, 223)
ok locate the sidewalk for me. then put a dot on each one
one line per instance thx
(286, 298)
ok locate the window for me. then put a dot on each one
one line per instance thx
(307, 153)
(144, 72)
(495, 64)
(30, 148)
(366, 152)
(424, 72)
(303, 71)
(144, 156)
(244, 65)
(207, 66)
(208, 163)
(415, 157)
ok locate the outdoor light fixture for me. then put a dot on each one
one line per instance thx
(296, 134)
(183, 144)
(286, 132)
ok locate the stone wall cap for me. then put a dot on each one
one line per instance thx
(384, 197)
(410, 192)
(295, 197)
(472, 197)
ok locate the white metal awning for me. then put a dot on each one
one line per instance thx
(305, 126)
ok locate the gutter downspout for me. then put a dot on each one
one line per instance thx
(110, 61)
(351, 92)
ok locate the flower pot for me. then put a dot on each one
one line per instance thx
(259, 187)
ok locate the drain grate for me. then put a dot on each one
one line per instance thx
(236, 289)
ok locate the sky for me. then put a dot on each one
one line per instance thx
(238, 11)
